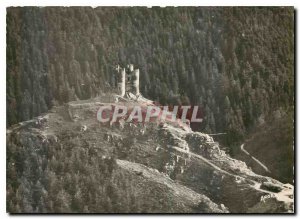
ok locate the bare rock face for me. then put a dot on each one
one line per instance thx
(67, 161)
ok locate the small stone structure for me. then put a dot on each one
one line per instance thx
(128, 80)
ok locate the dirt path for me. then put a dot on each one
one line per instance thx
(256, 160)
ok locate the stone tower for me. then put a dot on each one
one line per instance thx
(121, 74)
(136, 82)
(128, 80)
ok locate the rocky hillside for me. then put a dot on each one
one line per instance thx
(67, 161)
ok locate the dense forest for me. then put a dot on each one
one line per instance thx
(236, 63)
(74, 181)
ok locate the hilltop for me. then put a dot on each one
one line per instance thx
(67, 161)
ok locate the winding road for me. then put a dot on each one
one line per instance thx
(256, 160)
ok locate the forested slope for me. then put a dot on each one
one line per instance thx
(237, 63)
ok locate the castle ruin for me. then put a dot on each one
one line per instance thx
(128, 80)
